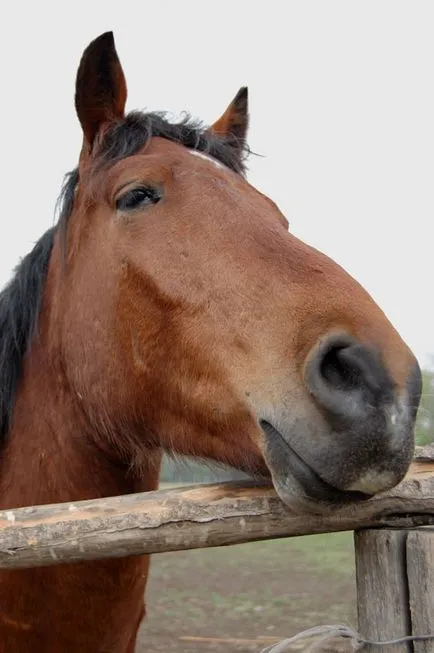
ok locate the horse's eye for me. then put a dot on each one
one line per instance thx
(138, 198)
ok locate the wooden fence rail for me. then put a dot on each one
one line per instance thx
(195, 517)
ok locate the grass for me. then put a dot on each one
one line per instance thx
(274, 587)
(332, 552)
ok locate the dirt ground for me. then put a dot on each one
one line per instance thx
(242, 598)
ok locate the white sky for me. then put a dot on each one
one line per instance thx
(342, 108)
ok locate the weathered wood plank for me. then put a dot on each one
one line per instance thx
(382, 595)
(420, 574)
(193, 517)
(424, 454)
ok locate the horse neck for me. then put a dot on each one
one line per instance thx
(51, 453)
(50, 457)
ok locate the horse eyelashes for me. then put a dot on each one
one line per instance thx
(138, 198)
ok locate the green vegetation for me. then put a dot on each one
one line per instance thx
(187, 470)
(425, 416)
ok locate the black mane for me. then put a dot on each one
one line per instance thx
(20, 300)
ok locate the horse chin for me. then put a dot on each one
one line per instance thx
(298, 485)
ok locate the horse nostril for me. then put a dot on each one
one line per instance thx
(347, 378)
(337, 371)
(350, 367)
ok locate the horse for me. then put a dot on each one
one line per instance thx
(170, 309)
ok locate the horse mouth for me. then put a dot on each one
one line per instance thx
(310, 487)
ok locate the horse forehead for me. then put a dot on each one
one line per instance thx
(161, 152)
(207, 158)
(177, 152)
(179, 157)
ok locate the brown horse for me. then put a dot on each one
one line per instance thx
(171, 310)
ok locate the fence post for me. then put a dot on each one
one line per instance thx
(382, 590)
(420, 574)
(395, 586)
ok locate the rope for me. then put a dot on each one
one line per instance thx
(330, 632)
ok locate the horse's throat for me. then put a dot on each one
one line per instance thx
(51, 454)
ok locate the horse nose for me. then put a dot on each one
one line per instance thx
(348, 379)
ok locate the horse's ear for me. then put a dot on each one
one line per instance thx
(101, 90)
(235, 121)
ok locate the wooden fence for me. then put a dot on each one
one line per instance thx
(394, 538)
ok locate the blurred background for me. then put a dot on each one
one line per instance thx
(342, 106)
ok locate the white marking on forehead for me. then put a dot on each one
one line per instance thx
(204, 156)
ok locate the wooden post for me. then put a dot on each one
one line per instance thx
(382, 593)
(420, 574)
(395, 587)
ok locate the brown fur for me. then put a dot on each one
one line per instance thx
(169, 328)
